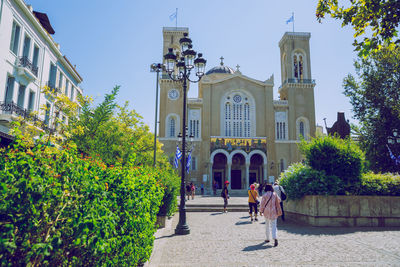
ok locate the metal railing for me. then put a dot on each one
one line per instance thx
(26, 63)
(298, 81)
(12, 108)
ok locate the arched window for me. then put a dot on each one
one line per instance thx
(301, 128)
(172, 127)
(281, 122)
(298, 66)
(238, 117)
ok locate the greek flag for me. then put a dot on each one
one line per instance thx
(393, 157)
(173, 16)
(178, 156)
(291, 19)
(189, 160)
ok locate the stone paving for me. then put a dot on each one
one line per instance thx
(230, 239)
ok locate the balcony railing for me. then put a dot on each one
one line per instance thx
(298, 81)
(12, 108)
(26, 63)
(245, 143)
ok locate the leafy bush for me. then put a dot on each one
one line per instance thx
(300, 180)
(381, 184)
(60, 209)
(335, 157)
(169, 202)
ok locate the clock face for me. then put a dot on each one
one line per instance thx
(173, 94)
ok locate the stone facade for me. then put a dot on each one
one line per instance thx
(241, 133)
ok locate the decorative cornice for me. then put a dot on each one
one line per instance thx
(294, 35)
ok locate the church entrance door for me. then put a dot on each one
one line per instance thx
(236, 179)
(252, 177)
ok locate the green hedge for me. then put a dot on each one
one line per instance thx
(171, 183)
(380, 184)
(59, 209)
(335, 157)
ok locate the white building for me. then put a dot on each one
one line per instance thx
(29, 60)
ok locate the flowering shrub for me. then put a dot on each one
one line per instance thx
(58, 208)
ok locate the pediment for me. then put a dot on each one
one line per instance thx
(208, 80)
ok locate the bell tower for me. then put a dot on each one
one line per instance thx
(171, 94)
(297, 85)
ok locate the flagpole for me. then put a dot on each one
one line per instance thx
(176, 19)
(293, 20)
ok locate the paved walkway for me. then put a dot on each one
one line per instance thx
(230, 239)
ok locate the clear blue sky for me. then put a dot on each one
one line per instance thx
(114, 43)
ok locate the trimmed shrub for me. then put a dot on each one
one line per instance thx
(59, 209)
(380, 184)
(300, 180)
(171, 183)
(335, 157)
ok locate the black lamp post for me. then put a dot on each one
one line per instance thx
(394, 140)
(179, 69)
(156, 68)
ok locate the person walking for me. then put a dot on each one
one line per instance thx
(225, 195)
(192, 189)
(271, 210)
(253, 202)
(202, 188)
(280, 192)
(188, 191)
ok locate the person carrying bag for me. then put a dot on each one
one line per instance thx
(253, 202)
(271, 210)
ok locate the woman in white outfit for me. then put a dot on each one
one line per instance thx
(271, 210)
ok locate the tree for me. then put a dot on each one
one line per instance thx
(375, 98)
(380, 18)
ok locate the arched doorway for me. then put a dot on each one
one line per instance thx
(238, 171)
(219, 169)
(256, 169)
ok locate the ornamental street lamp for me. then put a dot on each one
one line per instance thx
(156, 68)
(394, 138)
(394, 141)
(179, 69)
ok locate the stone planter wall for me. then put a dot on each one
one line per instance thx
(345, 210)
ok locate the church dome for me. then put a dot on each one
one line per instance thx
(221, 69)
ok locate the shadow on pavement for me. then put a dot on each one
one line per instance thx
(217, 213)
(257, 247)
(243, 222)
(245, 217)
(165, 236)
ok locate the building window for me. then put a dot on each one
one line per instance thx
(281, 122)
(21, 96)
(35, 59)
(237, 116)
(172, 123)
(52, 76)
(47, 114)
(60, 81)
(16, 30)
(72, 93)
(31, 101)
(9, 90)
(193, 164)
(194, 128)
(298, 66)
(66, 87)
(27, 46)
(301, 129)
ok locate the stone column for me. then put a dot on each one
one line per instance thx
(247, 175)
(265, 171)
(211, 177)
(229, 175)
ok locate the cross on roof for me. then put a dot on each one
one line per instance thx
(237, 67)
(222, 60)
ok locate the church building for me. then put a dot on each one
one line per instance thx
(241, 134)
